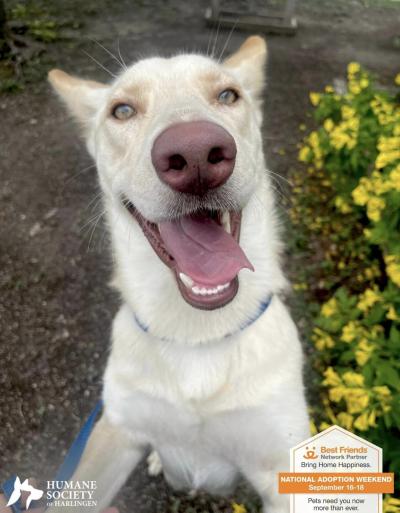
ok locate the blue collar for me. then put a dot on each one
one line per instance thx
(261, 310)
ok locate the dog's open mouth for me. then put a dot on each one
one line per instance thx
(203, 251)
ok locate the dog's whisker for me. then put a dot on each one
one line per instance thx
(95, 197)
(114, 57)
(94, 226)
(92, 219)
(277, 186)
(282, 187)
(120, 55)
(210, 38)
(99, 64)
(281, 197)
(214, 48)
(96, 205)
(281, 177)
(208, 43)
(228, 40)
(74, 176)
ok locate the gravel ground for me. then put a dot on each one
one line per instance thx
(55, 304)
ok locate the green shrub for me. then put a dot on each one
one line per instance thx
(346, 207)
(35, 21)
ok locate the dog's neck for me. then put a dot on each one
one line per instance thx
(150, 289)
(264, 305)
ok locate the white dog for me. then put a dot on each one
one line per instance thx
(206, 365)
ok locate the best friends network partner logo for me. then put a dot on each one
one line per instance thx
(58, 493)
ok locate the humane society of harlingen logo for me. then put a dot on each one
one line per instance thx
(58, 493)
(71, 493)
(34, 493)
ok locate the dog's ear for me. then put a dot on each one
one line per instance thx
(82, 97)
(248, 64)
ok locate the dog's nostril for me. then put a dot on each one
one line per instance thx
(216, 155)
(177, 162)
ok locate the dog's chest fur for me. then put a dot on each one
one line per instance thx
(194, 405)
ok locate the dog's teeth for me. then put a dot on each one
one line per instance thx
(226, 221)
(223, 287)
(186, 280)
(203, 291)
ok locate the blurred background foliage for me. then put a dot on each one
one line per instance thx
(26, 30)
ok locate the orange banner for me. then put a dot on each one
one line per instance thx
(312, 482)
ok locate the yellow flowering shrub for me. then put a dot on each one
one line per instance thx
(391, 504)
(346, 214)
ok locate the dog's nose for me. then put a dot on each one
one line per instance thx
(194, 156)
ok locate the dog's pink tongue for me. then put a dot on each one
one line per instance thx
(203, 250)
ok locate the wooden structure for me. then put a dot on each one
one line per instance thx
(252, 17)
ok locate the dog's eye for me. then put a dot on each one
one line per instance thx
(123, 111)
(228, 96)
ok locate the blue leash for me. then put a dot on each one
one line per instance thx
(70, 462)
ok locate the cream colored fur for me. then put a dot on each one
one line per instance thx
(213, 405)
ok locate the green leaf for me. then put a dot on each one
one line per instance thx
(387, 374)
